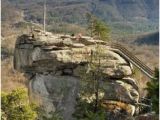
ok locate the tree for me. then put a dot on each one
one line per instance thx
(153, 91)
(88, 103)
(16, 106)
(94, 74)
(55, 116)
(97, 27)
(90, 22)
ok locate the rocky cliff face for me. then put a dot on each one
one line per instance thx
(52, 64)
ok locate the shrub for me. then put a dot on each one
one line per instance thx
(85, 111)
(153, 91)
(16, 106)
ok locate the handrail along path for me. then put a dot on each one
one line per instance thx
(131, 58)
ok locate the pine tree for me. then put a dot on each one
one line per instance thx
(97, 27)
(88, 104)
(153, 91)
(93, 76)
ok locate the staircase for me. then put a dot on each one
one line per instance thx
(118, 48)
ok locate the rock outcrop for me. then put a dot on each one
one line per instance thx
(52, 64)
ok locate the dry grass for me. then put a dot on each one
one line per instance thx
(147, 54)
(10, 35)
(141, 80)
(10, 78)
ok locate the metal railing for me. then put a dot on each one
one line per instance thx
(132, 58)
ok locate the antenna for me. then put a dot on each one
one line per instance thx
(44, 17)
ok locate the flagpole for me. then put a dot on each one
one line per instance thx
(44, 17)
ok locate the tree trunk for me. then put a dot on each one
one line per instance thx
(97, 78)
(97, 98)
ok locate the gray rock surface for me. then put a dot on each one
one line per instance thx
(55, 62)
(57, 93)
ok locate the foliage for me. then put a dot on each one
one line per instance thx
(97, 27)
(153, 91)
(101, 30)
(88, 103)
(85, 111)
(94, 76)
(100, 115)
(11, 79)
(12, 14)
(73, 11)
(55, 116)
(15, 106)
(52, 115)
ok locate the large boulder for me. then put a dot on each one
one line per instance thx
(56, 93)
(120, 90)
(53, 64)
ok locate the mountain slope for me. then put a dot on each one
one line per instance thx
(150, 39)
(73, 11)
(122, 15)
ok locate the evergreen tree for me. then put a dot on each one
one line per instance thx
(97, 27)
(88, 103)
(153, 91)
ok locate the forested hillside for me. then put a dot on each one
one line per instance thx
(132, 15)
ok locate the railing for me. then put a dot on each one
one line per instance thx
(132, 58)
